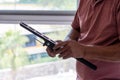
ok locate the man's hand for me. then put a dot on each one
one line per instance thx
(67, 49)
(52, 53)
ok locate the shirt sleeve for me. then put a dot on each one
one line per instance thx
(75, 24)
(118, 19)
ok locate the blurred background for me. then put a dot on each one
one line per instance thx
(22, 57)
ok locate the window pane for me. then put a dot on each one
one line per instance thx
(22, 57)
(38, 4)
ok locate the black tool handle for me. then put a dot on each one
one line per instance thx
(87, 63)
(50, 43)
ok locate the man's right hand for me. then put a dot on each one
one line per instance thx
(52, 53)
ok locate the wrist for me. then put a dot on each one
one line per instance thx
(84, 51)
(67, 38)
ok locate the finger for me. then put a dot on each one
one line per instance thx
(67, 56)
(64, 52)
(58, 41)
(60, 45)
(50, 52)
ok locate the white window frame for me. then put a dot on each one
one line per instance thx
(36, 17)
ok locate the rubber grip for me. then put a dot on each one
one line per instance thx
(87, 63)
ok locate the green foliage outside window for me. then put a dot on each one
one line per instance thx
(12, 54)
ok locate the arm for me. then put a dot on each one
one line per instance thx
(104, 53)
(108, 53)
(72, 35)
(76, 50)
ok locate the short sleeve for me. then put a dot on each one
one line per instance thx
(118, 19)
(75, 24)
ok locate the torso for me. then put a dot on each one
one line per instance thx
(98, 28)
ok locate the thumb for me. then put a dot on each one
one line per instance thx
(58, 41)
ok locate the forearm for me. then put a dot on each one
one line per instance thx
(104, 53)
(72, 35)
(107, 53)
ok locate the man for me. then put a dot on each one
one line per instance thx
(95, 36)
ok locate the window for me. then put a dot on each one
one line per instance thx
(38, 4)
(31, 62)
(31, 41)
(56, 12)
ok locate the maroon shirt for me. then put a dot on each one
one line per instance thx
(98, 22)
